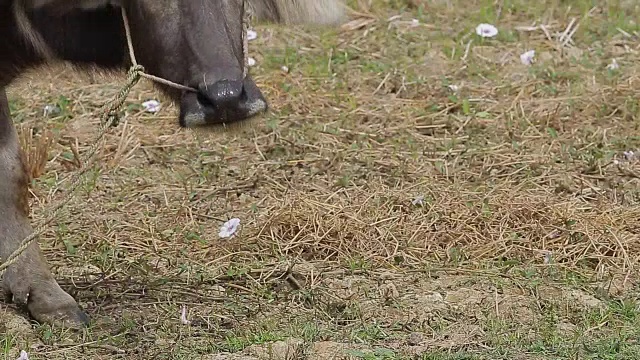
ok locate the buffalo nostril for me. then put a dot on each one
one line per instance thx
(204, 100)
(222, 94)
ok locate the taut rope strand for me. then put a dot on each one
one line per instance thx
(134, 62)
(245, 39)
(110, 118)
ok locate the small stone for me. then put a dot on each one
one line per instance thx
(218, 290)
(415, 338)
(280, 350)
(389, 291)
(566, 328)
(434, 297)
(228, 356)
(329, 350)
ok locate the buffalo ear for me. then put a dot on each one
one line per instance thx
(318, 12)
(67, 5)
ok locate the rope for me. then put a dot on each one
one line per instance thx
(110, 118)
(134, 62)
(245, 39)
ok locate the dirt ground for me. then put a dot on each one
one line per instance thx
(416, 192)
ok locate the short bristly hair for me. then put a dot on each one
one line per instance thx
(279, 11)
(321, 12)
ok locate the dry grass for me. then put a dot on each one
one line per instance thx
(500, 219)
(36, 149)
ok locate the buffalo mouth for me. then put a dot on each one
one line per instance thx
(221, 104)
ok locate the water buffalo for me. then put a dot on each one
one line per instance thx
(195, 43)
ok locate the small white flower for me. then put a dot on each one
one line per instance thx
(629, 155)
(229, 228)
(527, 57)
(285, 69)
(418, 201)
(51, 110)
(486, 30)
(454, 88)
(151, 106)
(251, 35)
(251, 61)
(183, 316)
(613, 66)
(23, 355)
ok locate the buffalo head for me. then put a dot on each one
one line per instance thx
(195, 43)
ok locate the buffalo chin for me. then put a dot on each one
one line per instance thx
(231, 128)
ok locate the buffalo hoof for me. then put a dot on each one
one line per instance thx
(44, 299)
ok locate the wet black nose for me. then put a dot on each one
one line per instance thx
(221, 102)
(222, 95)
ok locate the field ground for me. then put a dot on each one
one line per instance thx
(386, 214)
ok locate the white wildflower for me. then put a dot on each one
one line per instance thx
(486, 30)
(418, 201)
(613, 66)
(183, 316)
(527, 57)
(251, 35)
(51, 110)
(229, 228)
(251, 61)
(454, 88)
(629, 155)
(285, 69)
(23, 355)
(151, 106)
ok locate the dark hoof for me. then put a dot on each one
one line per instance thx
(44, 299)
(67, 317)
(57, 309)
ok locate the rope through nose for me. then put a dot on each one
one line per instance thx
(139, 68)
(246, 18)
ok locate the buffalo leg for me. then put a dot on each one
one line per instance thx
(29, 281)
